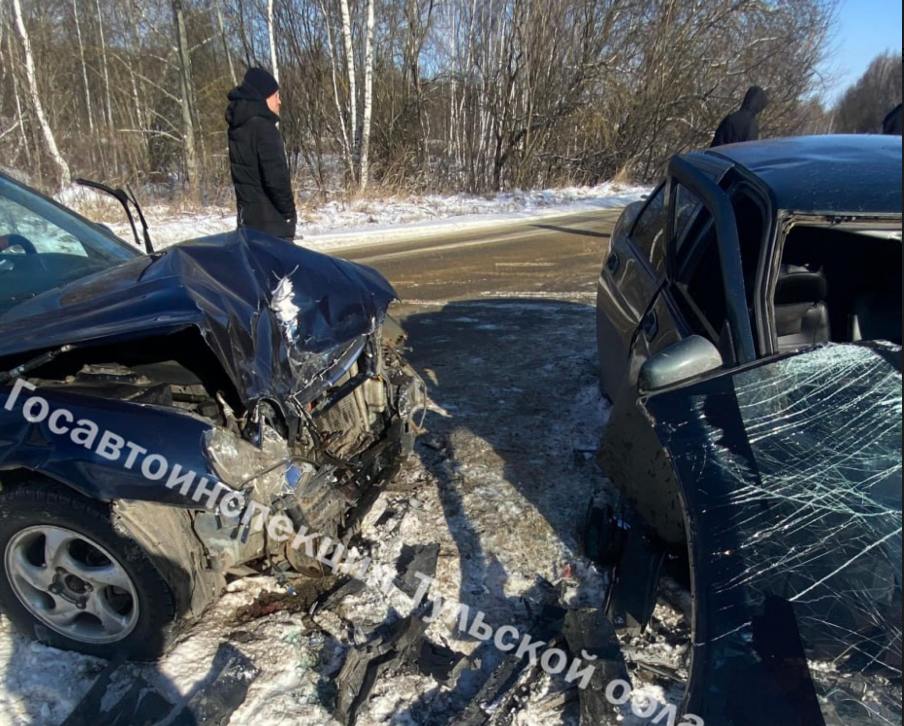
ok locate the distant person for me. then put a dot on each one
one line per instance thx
(891, 124)
(742, 124)
(257, 157)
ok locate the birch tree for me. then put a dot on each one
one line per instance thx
(20, 115)
(185, 82)
(352, 84)
(271, 32)
(65, 177)
(367, 115)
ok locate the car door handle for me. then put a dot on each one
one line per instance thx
(613, 262)
(650, 325)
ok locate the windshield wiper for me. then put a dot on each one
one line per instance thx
(125, 198)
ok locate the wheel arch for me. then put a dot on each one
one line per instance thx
(165, 533)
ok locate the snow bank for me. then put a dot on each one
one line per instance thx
(89, 202)
(340, 224)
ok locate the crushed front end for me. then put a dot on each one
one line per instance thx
(270, 369)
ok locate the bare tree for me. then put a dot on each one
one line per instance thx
(89, 108)
(367, 115)
(271, 33)
(865, 103)
(106, 75)
(192, 168)
(218, 6)
(352, 84)
(65, 177)
(416, 95)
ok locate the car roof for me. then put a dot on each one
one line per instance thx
(830, 173)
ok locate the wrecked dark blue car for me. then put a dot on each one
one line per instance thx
(749, 326)
(169, 419)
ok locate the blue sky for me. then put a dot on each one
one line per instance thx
(864, 29)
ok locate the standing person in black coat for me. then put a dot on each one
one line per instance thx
(742, 125)
(257, 157)
(891, 124)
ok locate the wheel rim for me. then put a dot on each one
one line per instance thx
(72, 584)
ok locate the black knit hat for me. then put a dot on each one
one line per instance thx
(260, 81)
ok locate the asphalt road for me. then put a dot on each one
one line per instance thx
(559, 257)
(502, 328)
(501, 325)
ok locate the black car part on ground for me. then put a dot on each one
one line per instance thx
(786, 478)
(211, 702)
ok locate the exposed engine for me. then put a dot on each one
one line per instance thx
(319, 461)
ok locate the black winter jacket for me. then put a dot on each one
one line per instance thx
(742, 125)
(891, 124)
(260, 172)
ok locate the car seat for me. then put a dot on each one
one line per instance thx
(801, 314)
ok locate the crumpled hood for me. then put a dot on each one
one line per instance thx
(272, 313)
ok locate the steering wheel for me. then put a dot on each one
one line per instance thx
(17, 240)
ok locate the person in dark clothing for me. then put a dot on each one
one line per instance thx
(742, 124)
(257, 157)
(891, 124)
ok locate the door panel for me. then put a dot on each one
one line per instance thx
(626, 286)
(789, 477)
(660, 326)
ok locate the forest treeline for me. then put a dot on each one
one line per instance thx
(405, 95)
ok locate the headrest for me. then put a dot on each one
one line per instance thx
(798, 284)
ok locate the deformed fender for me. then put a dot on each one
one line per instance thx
(104, 473)
(166, 535)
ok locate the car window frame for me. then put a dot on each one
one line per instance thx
(97, 242)
(782, 223)
(661, 188)
(697, 246)
(699, 179)
(94, 226)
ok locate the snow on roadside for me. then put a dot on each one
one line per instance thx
(40, 685)
(365, 216)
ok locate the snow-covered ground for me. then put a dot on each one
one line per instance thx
(500, 484)
(337, 224)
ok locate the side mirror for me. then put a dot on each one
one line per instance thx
(689, 357)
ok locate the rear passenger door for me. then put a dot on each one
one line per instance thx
(694, 297)
(631, 275)
(662, 323)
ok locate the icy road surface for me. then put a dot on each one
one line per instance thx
(501, 327)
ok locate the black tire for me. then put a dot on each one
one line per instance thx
(34, 505)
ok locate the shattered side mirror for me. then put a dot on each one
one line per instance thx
(689, 357)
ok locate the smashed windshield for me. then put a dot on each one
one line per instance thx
(791, 472)
(43, 245)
